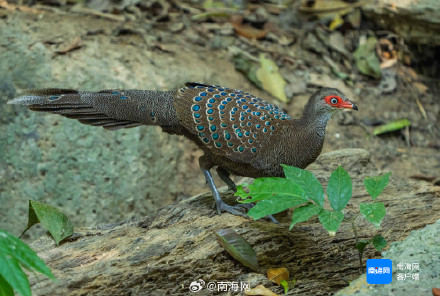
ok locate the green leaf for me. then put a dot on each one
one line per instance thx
(304, 213)
(307, 181)
(331, 220)
(246, 66)
(238, 247)
(285, 285)
(271, 79)
(361, 245)
(13, 253)
(274, 205)
(205, 15)
(391, 126)
(271, 187)
(23, 253)
(375, 185)
(339, 189)
(366, 59)
(379, 242)
(11, 271)
(58, 225)
(373, 212)
(5, 288)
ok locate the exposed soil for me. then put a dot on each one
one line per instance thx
(111, 47)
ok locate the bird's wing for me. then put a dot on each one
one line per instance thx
(228, 122)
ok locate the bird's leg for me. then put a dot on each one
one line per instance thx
(205, 164)
(224, 175)
(237, 210)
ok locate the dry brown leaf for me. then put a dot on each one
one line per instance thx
(388, 64)
(76, 44)
(421, 88)
(324, 6)
(260, 290)
(412, 73)
(324, 80)
(89, 11)
(249, 32)
(436, 291)
(5, 5)
(163, 47)
(271, 79)
(421, 109)
(385, 49)
(276, 275)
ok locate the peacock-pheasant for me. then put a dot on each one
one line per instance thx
(239, 133)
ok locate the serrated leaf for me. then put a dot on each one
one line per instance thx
(5, 288)
(361, 245)
(307, 181)
(379, 242)
(331, 220)
(274, 205)
(58, 225)
(339, 189)
(11, 271)
(391, 126)
(304, 213)
(271, 187)
(238, 248)
(375, 185)
(373, 212)
(271, 79)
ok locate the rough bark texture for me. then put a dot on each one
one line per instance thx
(163, 253)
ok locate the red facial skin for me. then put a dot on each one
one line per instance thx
(340, 103)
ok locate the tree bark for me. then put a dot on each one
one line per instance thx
(163, 253)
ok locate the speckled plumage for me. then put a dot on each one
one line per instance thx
(239, 133)
(228, 122)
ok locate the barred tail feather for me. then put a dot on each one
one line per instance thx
(111, 109)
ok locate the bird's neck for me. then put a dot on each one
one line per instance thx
(306, 137)
(313, 120)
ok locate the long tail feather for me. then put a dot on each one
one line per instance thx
(111, 109)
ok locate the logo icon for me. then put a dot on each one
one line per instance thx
(196, 286)
(379, 271)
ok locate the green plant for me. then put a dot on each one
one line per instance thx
(302, 190)
(55, 221)
(14, 255)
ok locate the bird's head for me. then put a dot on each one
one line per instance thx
(328, 101)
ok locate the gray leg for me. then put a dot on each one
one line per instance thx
(238, 210)
(224, 175)
(221, 205)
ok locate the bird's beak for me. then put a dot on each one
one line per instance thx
(349, 105)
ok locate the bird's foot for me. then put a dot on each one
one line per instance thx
(237, 210)
(240, 210)
(272, 218)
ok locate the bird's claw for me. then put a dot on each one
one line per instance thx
(237, 210)
(240, 210)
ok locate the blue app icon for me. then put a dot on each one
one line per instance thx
(379, 271)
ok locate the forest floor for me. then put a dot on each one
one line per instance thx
(312, 49)
(228, 45)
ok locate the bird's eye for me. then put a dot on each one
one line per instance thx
(334, 101)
